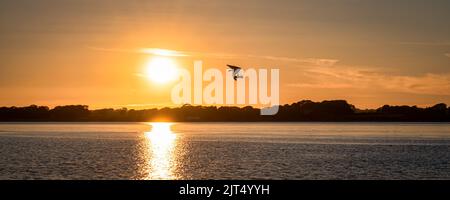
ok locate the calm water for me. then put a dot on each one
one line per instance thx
(224, 151)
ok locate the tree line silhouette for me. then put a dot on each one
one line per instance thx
(306, 110)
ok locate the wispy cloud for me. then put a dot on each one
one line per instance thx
(426, 43)
(432, 84)
(447, 54)
(144, 105)
(178, 53)
(314, 61)
(321, 85)
(163, 52)
(113, 49)
(359, 78)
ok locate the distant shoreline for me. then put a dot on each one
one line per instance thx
(243, 122)
(302, 111)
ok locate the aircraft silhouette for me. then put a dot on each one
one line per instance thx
(236, 71)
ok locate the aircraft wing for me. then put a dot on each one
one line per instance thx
(234, 67)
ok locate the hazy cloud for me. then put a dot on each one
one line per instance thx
(144, 105)
(426, 43)
(178, 53)
(341, 77)
(321, 85)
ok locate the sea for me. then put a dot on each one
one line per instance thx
(186, 151)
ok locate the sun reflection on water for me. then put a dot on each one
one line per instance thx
(160, 146)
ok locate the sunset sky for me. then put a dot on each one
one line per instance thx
(90, 52)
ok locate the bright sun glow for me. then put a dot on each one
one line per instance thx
(161, 70)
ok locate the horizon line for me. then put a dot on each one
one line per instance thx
(217, 105)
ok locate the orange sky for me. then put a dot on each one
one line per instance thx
(88, 52)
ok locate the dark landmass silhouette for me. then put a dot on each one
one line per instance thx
(328, 111)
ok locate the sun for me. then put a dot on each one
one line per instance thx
(161, 70)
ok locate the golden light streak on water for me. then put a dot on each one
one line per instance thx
(160, 144)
